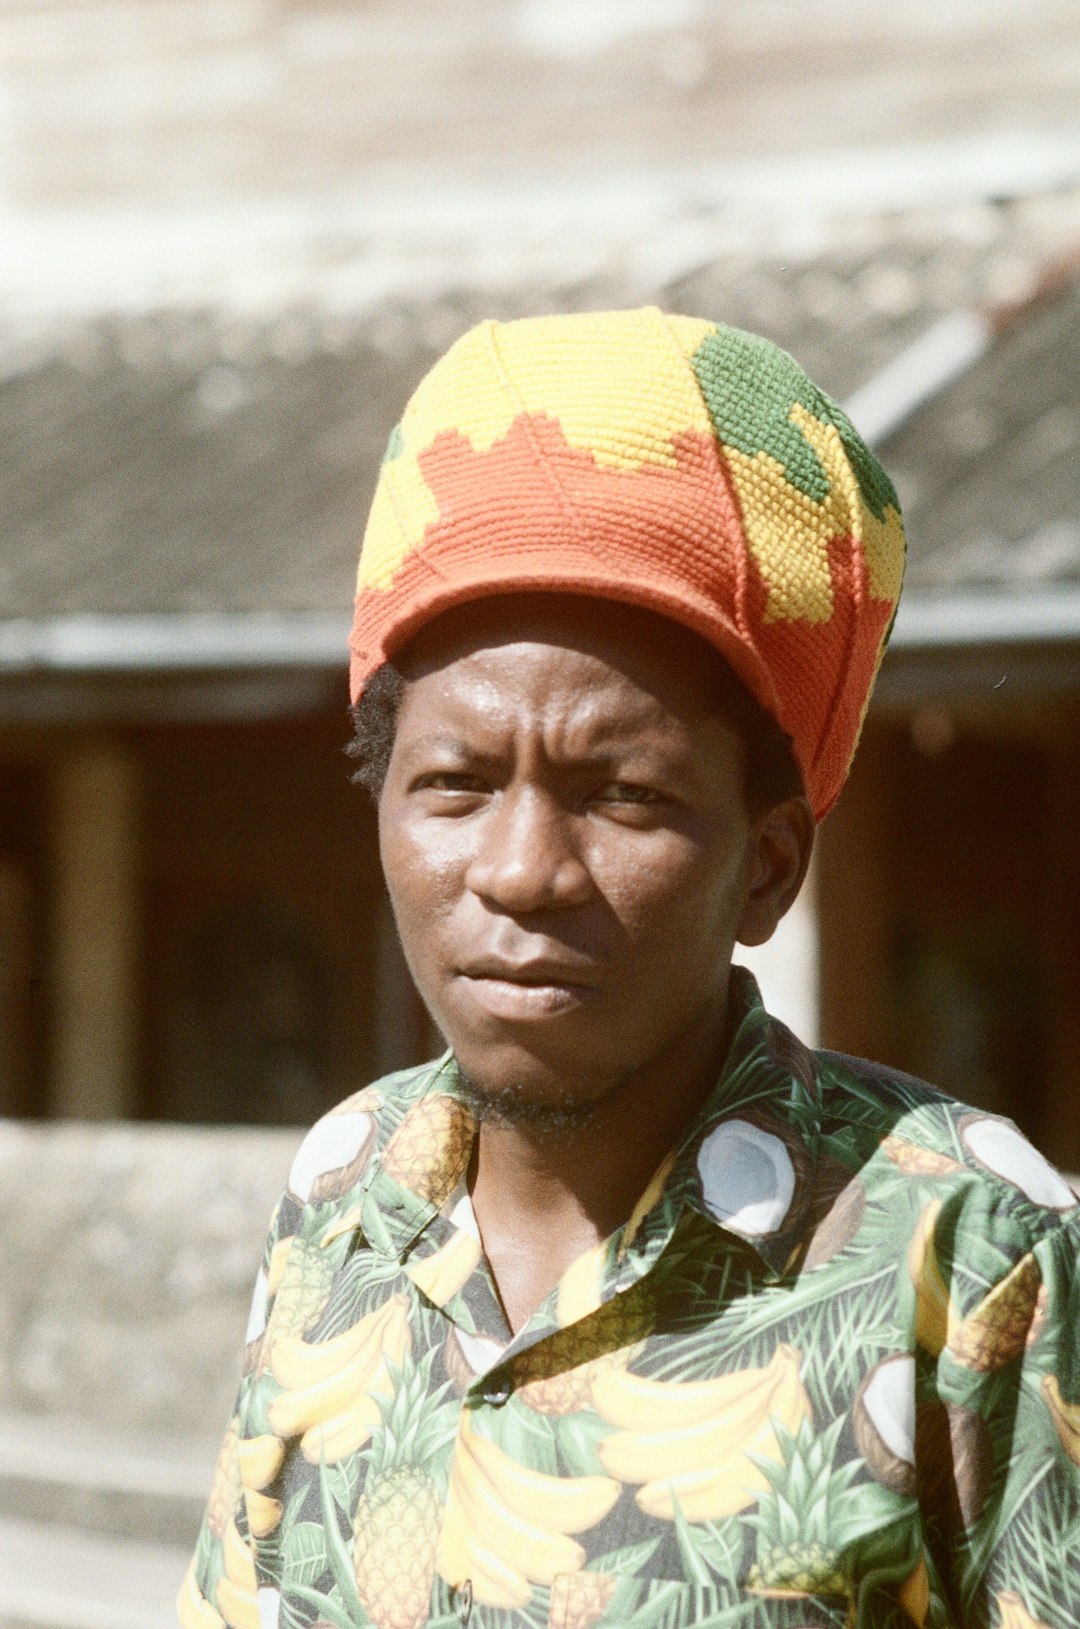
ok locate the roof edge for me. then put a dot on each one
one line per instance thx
(206, 641)
(945, 621)
(182, 642)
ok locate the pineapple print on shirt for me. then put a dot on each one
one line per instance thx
(825, 1375)
(397, 1517)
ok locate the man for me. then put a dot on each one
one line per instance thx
(631, 1310)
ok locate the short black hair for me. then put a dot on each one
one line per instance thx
(772, 775)
(374, 719)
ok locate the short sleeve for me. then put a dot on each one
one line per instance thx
(1001, 1459)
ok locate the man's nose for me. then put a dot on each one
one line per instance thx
(527, 858)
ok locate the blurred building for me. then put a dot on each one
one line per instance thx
(233, 234)
(194, 925)
(236, 236)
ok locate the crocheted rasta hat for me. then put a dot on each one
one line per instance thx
(663, 461)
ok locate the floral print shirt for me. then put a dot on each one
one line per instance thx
(826, 1374)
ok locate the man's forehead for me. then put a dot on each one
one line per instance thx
(575, 704)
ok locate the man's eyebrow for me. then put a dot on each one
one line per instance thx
(438, 740)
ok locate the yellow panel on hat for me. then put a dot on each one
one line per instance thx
(689, 333)
(401, 511)
(883, 546)
(615, 383)
(844, 499)
(788, 534)
(465, 391)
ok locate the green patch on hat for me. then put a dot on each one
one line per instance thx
(750, 387)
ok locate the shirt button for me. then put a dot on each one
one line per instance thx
(496, 1392)
(463, 1602)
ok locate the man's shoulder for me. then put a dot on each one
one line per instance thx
(894, 1126)
(880, 1101)
(335, 1153)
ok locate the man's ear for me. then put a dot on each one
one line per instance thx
(782, 841)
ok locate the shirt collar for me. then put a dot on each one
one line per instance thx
(399, 1196)
(745, 1164)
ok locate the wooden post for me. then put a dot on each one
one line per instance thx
(16, 991)
(1061, 951)
(94, 932)
(855, 902)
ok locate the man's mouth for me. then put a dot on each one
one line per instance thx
(538, 988)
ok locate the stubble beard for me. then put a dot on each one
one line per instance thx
(512, 1108)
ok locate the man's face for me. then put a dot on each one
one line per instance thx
(567, 845)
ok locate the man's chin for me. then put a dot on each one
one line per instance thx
(522, 1107)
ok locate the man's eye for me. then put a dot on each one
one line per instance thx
(451, 780)
(628, 792)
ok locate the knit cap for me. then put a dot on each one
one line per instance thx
(662, 461)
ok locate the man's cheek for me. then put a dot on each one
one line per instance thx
(421, 877)
(657, 901)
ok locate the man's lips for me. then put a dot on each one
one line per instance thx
(532, 970)
(539, 988)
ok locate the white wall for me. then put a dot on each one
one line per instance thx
(786, 967)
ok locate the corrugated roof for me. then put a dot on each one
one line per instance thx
(198, 462)
(989, 469)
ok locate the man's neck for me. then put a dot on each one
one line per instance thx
(541, 1200)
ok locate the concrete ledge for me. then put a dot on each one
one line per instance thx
(131, 1251)
(59, 1471)
(58, 1578)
